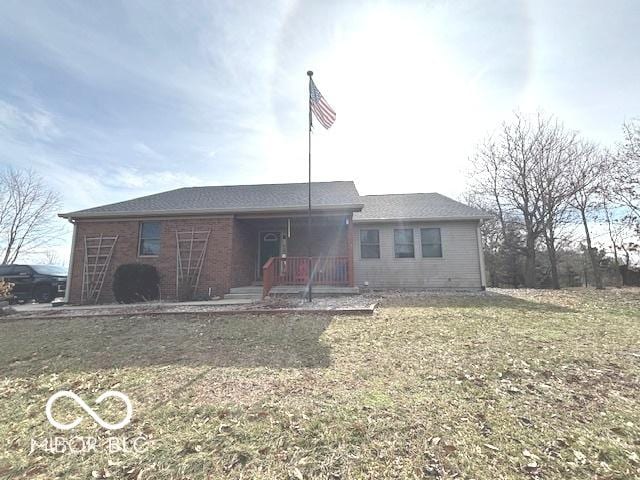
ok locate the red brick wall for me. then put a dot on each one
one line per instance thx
(216, 270)
(231, 256)
(245, 253)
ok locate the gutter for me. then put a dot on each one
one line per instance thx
(419, 219)
(155, 213)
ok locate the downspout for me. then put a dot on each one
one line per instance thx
(67, 290)
(483, 279)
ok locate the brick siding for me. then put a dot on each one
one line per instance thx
(245, 254)
(231, 258)
(215, 273)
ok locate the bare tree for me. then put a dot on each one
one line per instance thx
(614, 233)
(51, 258)
(619, 231)
(542, 182)
(27, 213)
(621, 200)
(555, 150)
(521, 171)
(588, 181)
(627, 171)
(520, 144)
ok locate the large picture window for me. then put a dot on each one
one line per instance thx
(431, 242)
(149, 239)
(403, 242)
(369, 244)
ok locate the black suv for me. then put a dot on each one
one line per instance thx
(41, 283)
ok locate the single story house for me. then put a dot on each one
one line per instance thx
(210, 240)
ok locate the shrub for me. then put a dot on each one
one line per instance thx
(136, 282)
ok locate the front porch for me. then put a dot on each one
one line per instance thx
(275, 251)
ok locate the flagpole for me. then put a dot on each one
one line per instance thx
(310, 296)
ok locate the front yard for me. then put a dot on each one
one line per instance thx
(509, 385)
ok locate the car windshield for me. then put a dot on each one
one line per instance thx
(50, 270)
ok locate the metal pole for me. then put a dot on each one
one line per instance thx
(310, 279)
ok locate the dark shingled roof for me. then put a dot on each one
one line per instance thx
(232, 199)
(415, 206)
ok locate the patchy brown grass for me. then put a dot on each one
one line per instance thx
(515, 384)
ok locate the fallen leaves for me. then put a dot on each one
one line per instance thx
(306, 398)
(580, 457)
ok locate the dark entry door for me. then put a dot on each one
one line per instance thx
(269, 247)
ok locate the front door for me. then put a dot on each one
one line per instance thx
(269, 247)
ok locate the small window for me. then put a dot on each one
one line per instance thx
(369, 244)
(149, 239)
(403, 242)
(431, 242)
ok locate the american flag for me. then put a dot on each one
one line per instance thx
(321, 109)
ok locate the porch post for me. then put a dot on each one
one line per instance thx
(350, 273)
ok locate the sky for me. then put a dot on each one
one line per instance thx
(114, 100)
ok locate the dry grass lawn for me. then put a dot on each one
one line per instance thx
(514, 385)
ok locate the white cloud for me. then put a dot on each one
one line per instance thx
(142, 183)
(34, 122)
(147, 151)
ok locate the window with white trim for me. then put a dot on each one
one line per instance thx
(431, 242)
(149, 244)
(369, 243)
(403, 242)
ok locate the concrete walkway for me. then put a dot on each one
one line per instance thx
(46, 307)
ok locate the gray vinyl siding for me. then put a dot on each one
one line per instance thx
(459, 266)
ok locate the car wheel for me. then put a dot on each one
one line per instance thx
(42, 294)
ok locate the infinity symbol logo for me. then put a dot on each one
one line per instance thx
(89, 410)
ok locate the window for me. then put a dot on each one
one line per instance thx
(431, 242)
(403, 242)
(369, 244)
(149, 239)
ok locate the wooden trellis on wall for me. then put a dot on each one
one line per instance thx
(191, 248)
(97, 257)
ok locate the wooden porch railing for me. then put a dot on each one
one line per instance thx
(268, 276)
(295, 271)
